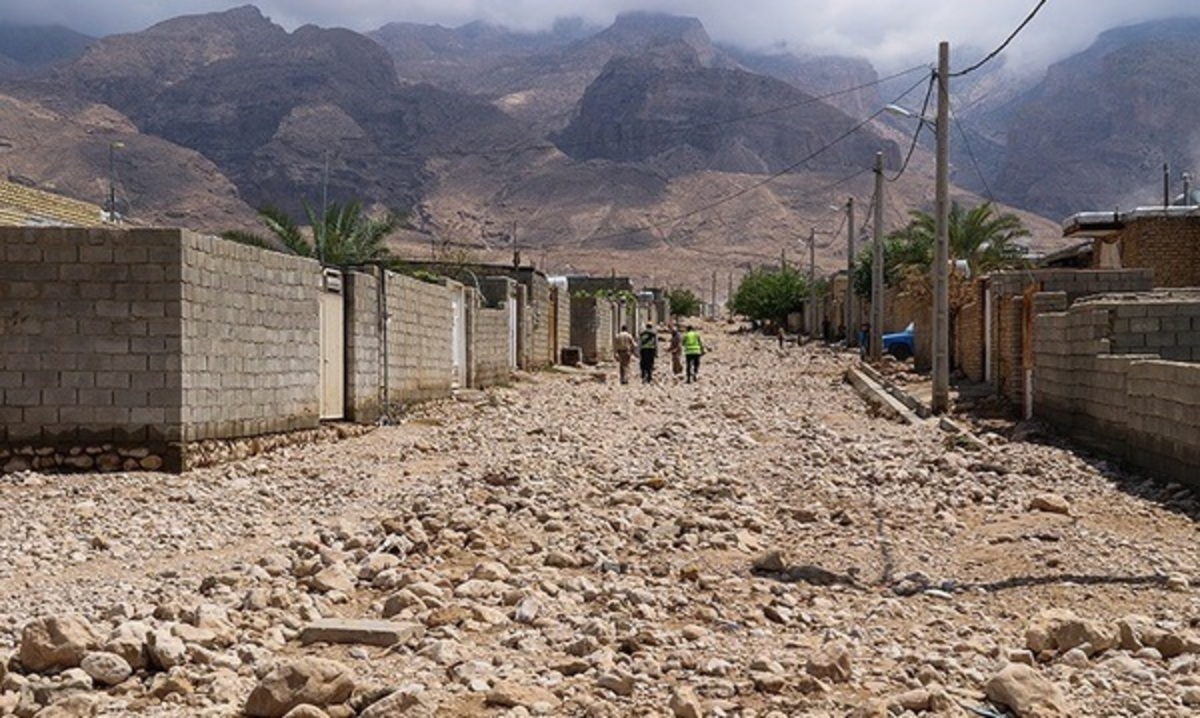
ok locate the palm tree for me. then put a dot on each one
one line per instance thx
(985, 239)
(343, 235)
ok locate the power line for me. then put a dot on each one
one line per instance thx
(991, 55)
(767, 180)
(916, 133)
(682, 129)
(974, 162)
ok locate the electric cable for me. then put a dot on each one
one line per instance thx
(991, 55)
(974, 162)
(921, 121)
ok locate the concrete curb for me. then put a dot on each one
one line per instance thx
(879, 397)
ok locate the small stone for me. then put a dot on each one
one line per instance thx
(306, 711)
(334, 578)
(621, 684)
(394, 704)
(831, 662)
(1178, 582)
(507, 694)
(1050, 503)
(771, 562)
(685, 704)
(107, 669)
(166, 650)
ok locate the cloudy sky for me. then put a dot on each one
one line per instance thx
(891, 33)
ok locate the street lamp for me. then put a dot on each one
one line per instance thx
(112, 179)
(940, 402)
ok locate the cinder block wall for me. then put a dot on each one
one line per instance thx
(562, 328)
(490, 347)
(1007, 289)
(968, 335)
(251, 340)
(592, 327)
(420, 336)
(1133, 405)
(364, 349)
(90, 337)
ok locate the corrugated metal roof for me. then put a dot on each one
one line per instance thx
(26, 206)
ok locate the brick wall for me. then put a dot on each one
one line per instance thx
(419, 336)
(251, 340)
(90, 336)
(968, 335)
(364, 349)
(562, 320)
(1130, 404)
(1168, 246)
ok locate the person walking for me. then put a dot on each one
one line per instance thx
(676, 350)
(693, 349)
(648, 343)
(623, 346)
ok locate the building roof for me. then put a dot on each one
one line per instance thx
(1101, 224)
(28, 207)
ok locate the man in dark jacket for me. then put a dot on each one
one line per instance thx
(648, 345)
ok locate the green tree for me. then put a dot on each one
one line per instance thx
(343, 235)
(770, 294)
(684, 302)
(985, 239)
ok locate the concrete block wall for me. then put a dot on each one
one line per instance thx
(251, 340)
(419, 336)
(364, 347)
(561, 326)
(542, 353)
(490, 347)
(1133, 405)
(90, 337)
(1007, 290)
(1169, 329)
(592, 327)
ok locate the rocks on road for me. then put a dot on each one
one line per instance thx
(756, 544)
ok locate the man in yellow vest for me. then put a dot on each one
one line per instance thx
(693, 349)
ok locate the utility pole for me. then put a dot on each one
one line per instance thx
(319, 238)
(812, 282)
(940, 402)
(783, 260)
(850, 314)
(112, 180)
(875, 339)
(714, 293)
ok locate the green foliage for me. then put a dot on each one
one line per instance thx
(617, 295)
(985, 239)
(770, 294)
(341, 235)
(683, 302)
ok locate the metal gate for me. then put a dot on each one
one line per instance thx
(332, 341)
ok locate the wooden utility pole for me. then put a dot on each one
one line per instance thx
(812, 282)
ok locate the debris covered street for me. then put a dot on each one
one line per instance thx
(755, 544)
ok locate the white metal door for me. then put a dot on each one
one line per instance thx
(333, 374)
(458, 342)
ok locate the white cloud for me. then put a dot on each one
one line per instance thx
(891, 33)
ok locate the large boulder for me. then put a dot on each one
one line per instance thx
(1060, 630)
(313, 681)
(55, 643)
(1024, 691)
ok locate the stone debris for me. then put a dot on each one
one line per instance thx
(758, 544)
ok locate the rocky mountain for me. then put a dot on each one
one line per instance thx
(643, 137)
(1096, 131)
(28, 50)
(286, 116)
(687, 116)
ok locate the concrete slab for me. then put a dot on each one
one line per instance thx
(360, 632)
